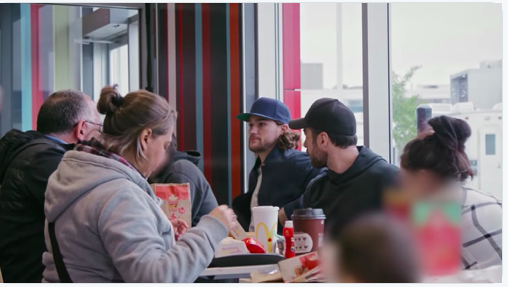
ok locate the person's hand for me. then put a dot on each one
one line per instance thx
(180, 226)
(226, 215)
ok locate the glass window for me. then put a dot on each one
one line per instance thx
(46, 48)
(119, 68)
(490, 144)
(331, 56)
(449, 55)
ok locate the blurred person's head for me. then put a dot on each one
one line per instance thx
(371, 249)
(268, 126)
(138, 127)
(437, 157)
(69, 115)
(168, 158)
(330, 128)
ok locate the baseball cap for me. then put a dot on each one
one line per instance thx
(328, 115)
(268, 108)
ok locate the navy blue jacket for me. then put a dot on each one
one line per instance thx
(286, 174)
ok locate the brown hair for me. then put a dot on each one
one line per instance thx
(337, 140)
(289, 139)
(374, 248)
(442, 152)
(127, 117)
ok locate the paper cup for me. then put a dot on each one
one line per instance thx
(265, 220)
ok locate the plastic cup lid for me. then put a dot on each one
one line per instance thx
(266, 208)
(309, 213)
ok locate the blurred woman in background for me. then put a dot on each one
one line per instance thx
(104, 222)
(435, 162)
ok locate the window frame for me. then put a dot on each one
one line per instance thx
(376, 66)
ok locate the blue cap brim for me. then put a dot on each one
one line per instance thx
(246, 116)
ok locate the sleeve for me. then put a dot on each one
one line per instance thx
(393, 177)
(128, 229)
(290, 207)
(209, 202)
(311, 174)
(241, 207)
(38, 171)
(306, 170)
(303, 201)
(307, 173)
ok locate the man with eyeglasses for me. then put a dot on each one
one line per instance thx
(27, 159)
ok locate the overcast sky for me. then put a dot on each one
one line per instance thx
(444, 38)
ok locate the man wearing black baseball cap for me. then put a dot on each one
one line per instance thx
(281, 173)
(356, 176)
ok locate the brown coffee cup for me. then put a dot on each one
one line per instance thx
(309, 226)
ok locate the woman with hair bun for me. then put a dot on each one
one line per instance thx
(436, 160)
(104, 223)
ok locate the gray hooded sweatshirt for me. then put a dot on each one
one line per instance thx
(110, 227)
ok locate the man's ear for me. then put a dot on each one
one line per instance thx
(79, 131)
(283, 129)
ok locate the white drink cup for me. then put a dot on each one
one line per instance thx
(265, 220)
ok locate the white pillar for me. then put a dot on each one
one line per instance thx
(376, 79)
(339, 51)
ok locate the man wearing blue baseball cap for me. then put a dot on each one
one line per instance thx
(281, 173)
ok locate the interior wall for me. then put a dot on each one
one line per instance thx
(209, 82)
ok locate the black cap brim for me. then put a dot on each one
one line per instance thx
(298, 124)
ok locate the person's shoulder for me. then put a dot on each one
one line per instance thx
(46, 145)
(185, 166)
(185, 170)
(383, 173)
(383, 167)
(294, 155)
(477, 197)
(318, 180)
(119, 187)
(43, 150)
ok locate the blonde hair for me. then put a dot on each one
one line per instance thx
(127, 117)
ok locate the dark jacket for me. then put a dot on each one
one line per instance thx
(360, 189)
(285, 176)
(182, 169)
(27, 159)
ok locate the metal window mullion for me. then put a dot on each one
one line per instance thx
(267, 50)
(376, 79)
(279, 53)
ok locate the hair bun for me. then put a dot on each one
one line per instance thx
(110, 100)
(451, 132)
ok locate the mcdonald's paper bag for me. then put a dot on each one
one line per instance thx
(177, 200)
(295, 267)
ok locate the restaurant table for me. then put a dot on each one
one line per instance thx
(242, 273)
(234, 273)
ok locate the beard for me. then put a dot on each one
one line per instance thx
(262, 146)
(318, 159)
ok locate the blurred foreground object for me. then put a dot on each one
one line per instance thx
(372, 249)
(434, 222)
(493, 274)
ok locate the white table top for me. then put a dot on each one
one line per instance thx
(234, 272)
